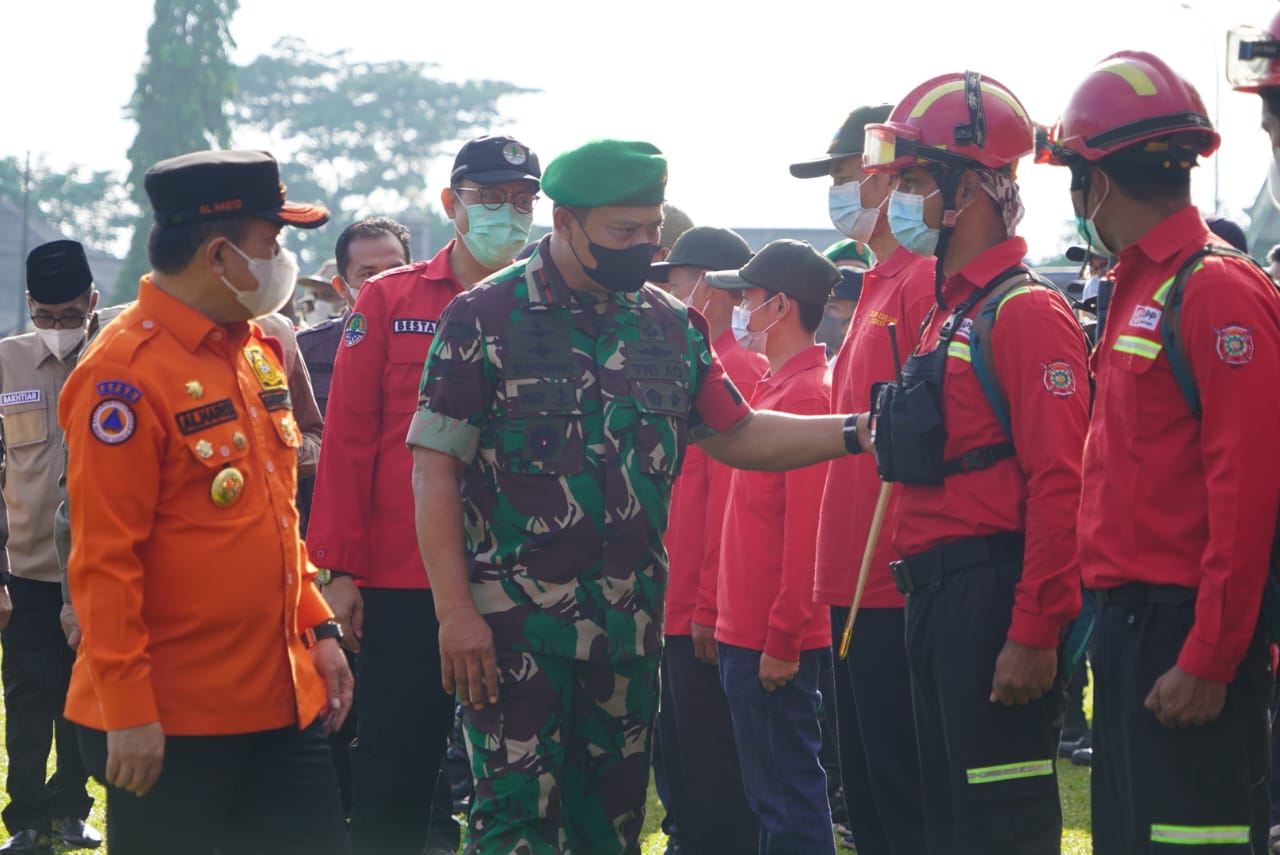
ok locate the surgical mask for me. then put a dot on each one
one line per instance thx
(62, 342)
(906, 221)
(753, 341)
(1088, 229)
(349, 297)
(277, 277)
(844, 201)
(325, 309)
(618, 270)
(494, 237)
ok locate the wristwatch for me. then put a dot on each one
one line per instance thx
(321, 631)
(851, 443)
(324, 576)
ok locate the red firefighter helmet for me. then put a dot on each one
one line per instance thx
(1253, 57)
(1129, 98)
(960, 120)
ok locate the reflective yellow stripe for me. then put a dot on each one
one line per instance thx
(1199, 835)
(960, 350)
(1022, 289)
(1163, 293)
(1130, 74)
(926, 101)
(1010, 771)
(1138, 346)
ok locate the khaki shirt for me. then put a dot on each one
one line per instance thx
(31, 379)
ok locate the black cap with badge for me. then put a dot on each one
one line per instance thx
(847, 142)
(57, 272)
(494, 160)
(220, 185)
(791, 267)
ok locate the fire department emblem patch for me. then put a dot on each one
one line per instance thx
(1235, 345)
(1059, 378)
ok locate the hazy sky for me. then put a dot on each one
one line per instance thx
(731, 93)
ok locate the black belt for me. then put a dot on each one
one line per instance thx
(1138, 593)
(918, 571)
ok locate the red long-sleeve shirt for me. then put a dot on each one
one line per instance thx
(362, 511)
(698, 500)
(1040, 363)
(765, 591)
(1168, 498)
(898, 291)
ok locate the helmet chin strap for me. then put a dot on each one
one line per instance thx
(948, 184)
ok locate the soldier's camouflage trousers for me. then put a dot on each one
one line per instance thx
(561, 762)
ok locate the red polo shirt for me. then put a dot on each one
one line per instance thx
(897, 291)
(765, 591)
(1170, 499)
(698, 499)
(362, 512)
(1040, 363)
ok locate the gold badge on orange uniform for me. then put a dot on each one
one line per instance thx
(227, 487)
(195, 389)
(269, 376)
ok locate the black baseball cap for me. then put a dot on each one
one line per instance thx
(703, 246)
(848, 141)
(493, 160)
(1079, 253)
(57, 272)
(791, 267)
(220, 185)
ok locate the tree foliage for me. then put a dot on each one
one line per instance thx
(358, 136)
(179, 101)
(91, 206)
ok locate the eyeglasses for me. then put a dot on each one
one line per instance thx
(59, 322)
(494, 198)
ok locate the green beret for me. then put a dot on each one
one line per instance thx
(607, 173)
(850, 250)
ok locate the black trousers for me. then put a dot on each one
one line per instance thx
(36, 671)
(714, 815)
(988, 771)
(248, 794)
(666, 754)
(1156, 789)
(403, 723)
(882, 725)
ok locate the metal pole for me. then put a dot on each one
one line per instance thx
(19, 320)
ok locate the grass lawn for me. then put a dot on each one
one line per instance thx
(1073, 782)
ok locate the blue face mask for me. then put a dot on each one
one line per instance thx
(1088, 229)
(844, 202)
(906, 221)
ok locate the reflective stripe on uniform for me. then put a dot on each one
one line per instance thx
(1199, 835)
(960, 350)
(1021, 289)
(1163, 293)
(1010, 771)
(1138, 346)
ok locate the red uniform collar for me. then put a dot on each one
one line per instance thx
(1169, 237)
(983, 269)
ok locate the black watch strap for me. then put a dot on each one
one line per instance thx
(321, 631)
(851, 443)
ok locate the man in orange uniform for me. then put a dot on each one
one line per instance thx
(877, 736)
(989, 488)
(1179, 502)
(207, 653)
(710, 806)
(361, 526)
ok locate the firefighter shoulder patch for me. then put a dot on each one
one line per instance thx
(1059, 379)
(1235, 345)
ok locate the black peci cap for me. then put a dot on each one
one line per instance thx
(220, 185)
(57, 272)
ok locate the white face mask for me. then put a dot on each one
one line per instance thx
(844, 202)
(752, 341)
(62, 342)
(277, 277)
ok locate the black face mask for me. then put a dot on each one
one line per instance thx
(619, 270)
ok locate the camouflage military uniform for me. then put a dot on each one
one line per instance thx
(573, 415)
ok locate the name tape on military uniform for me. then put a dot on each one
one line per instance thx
(26, 396)
(202, 418)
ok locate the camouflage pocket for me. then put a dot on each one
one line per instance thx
(543, 431)
(663, 425)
